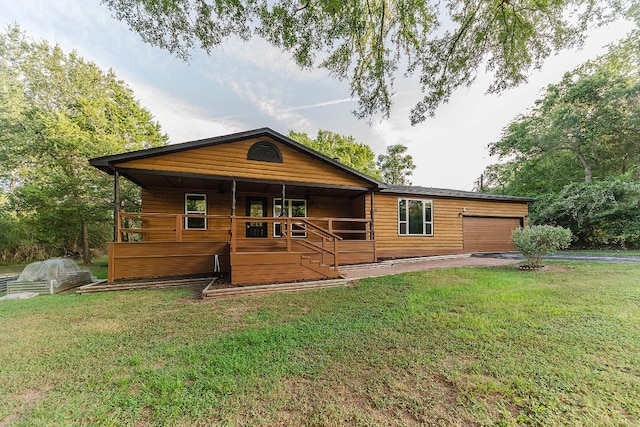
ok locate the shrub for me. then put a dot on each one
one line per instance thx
(537, 241)
(600, 214)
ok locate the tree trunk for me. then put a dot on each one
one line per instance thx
(86, 255)
(588, 174)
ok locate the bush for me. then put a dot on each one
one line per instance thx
(600, 214)
(537, 241)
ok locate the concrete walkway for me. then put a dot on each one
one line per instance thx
(404, 265)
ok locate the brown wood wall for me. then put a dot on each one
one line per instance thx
(162, 200)
(447, 224)
(256, 269)
(158, 200)
(231, 160)
(162, 259)
(356, 252)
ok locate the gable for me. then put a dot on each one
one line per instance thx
(251, 158)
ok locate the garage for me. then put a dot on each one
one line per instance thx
(488, 234)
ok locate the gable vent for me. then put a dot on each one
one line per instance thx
(264, 152)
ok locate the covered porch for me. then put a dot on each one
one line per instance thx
(257, 231)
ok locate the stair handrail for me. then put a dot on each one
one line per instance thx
(319, 231)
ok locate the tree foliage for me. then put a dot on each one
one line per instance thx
(365, 42)
(345, 149)
(56, 112)
(584, 127)
(577, 151)
(396, 166)
(591, 118)
(602, 213)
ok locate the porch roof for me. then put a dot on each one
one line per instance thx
(222, 184)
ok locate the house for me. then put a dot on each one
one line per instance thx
(267, 209)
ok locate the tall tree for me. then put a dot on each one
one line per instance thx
(365, 42)
(345, 149)
(396, 166)
(56, 112)
(590, 119)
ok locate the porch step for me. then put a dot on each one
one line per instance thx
(275, 288)
(318, 267)
(104, 286)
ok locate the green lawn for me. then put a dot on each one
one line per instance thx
(481, 346)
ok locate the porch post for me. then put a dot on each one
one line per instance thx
(372, 232)
(233, 198)
(286, 230)
(233, 218)
(116, 206)
(283, 194)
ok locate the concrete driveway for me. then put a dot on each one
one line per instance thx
(404, 265)
(565, 256)
(395, 266)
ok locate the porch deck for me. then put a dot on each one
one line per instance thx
(291, 249)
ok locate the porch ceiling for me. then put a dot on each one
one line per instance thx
(224, 184)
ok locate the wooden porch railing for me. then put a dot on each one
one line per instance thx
(358, 226)
(136, 225)
(317, 235)
(293, 230)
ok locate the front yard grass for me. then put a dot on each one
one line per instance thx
(478, 346)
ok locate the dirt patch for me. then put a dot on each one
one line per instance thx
(554, 268)
(28, 399)
(236, 311)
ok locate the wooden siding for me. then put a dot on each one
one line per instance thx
(162, 259)
(231, 160)
(356, 252)
(162, 200)
(447, 224)
(170, 201)
(322, 207)
(260, 268)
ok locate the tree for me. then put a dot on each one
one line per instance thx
(603, 213)
(586, 125)
(396, 166)
(56, 112)
(365, 42)
(343, 148)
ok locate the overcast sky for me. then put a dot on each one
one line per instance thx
(245, 86)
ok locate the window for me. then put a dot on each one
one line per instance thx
(415, 217)
(294, 208)
(264, 151)
(195, 204)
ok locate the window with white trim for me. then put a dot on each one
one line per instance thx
(294, 208)
(195, 204)
(415, 217)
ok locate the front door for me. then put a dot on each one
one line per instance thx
(256, 207)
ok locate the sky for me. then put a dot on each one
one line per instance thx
(243, 86)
